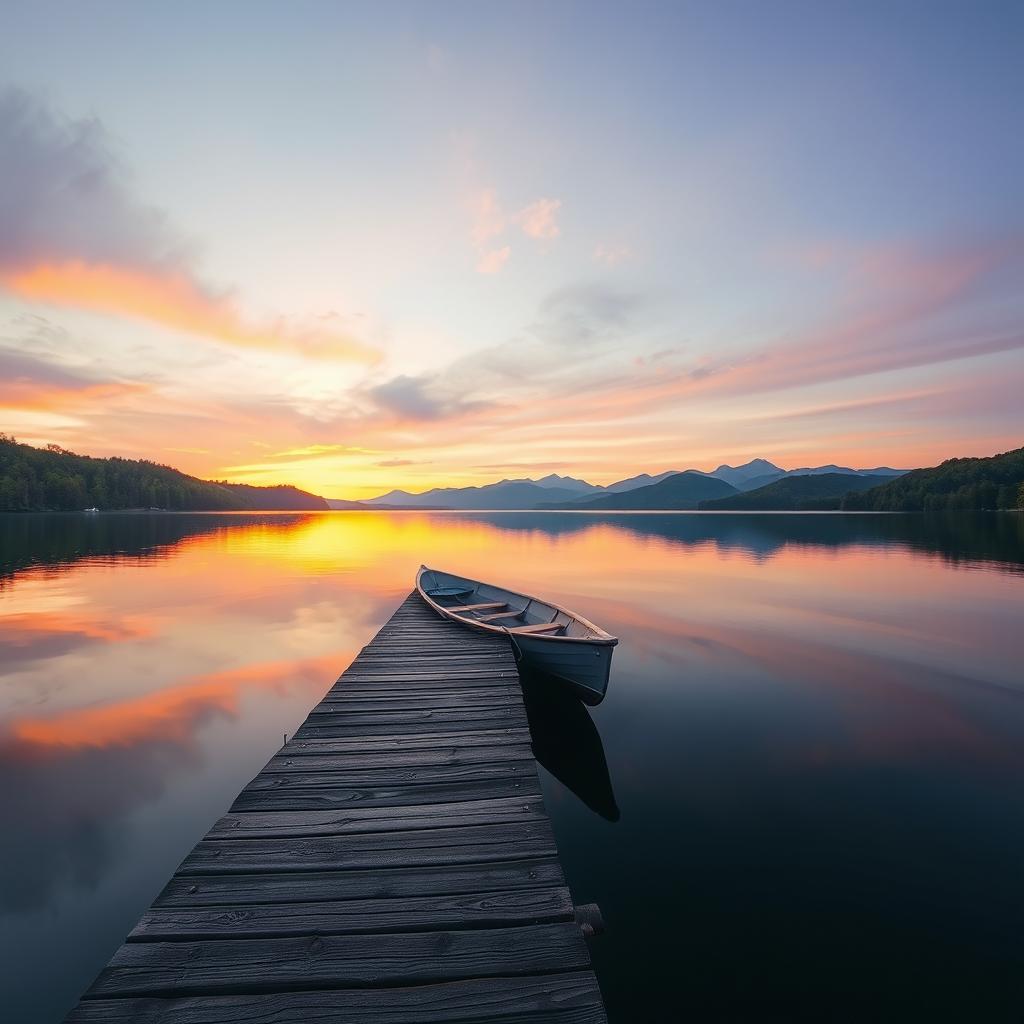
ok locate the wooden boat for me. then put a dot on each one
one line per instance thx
(545, 636)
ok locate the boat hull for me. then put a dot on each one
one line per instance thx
(545, 637)
(583, 666)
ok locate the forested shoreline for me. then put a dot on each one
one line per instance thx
(58, 480)
(957, 485)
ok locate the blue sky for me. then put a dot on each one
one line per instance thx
(362, 245)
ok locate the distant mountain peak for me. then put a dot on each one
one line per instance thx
(759, 469)
(754, 466)
(571, 483)
(642, 480)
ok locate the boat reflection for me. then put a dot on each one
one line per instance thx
(566, 742)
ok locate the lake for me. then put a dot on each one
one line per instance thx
(802, 800)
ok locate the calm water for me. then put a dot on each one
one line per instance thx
(802, 800)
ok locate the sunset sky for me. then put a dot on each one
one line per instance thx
(367, 245)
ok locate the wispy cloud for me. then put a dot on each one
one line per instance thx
(538, 219)
(490, 222)
(493, 260)
(488, 219)
(422, 398)
(73, 233)
(34, 383)
(319, 449)
(612, 255)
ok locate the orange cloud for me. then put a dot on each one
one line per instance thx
(42, 397)
(173, 300)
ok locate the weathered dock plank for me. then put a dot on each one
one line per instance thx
(569, 998)
(415, 913)
(281, 964)
(309, 886)
(469, 845)
(392, 863)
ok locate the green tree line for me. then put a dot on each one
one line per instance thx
(957, 485)
(52, 478)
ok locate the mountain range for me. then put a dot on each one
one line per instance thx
(805, 492)
(55, 479)
(674, 489)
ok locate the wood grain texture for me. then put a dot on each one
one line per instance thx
(311, 886)
(338, 700)
(569, 998)
(319, 727)
(238, 966)
(290, 762)
(340, 917)
(422, 741)
(327, 714)
(377, 819)
(396, 793)
(392, 862)
(467, 845)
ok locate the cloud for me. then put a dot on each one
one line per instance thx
(29, 382)
(488, 219)
(568, 382)
(491, 262)
(420, 398)
(611, 255)
(319, 449)
(538, 219)
(391, 463)
(490, 222)
(505, 380)
(586, 314)
(73, 233)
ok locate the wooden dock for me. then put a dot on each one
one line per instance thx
(393, 862)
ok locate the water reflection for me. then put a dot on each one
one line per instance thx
(815, 728)
(567, 744)
(71, 778)
(982, 537)
(54, 541)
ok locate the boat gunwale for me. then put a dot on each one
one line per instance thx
(603, 639)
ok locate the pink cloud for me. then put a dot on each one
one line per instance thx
(488, 219)
(491, 262)
(538, 219)
(490, 222)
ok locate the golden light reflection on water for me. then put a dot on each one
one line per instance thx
(106, 649)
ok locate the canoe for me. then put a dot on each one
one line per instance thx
(545, 636)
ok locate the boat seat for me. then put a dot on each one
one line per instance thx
(486, 606)
(448, 591)
(500, 615)
(539, 627)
